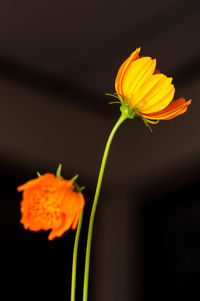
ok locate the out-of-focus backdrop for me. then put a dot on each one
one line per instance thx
(57, 59)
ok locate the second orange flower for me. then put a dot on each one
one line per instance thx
(50, 203)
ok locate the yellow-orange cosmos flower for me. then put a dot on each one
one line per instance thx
(50, 203)
(146, 90)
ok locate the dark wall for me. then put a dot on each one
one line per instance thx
(57, 59)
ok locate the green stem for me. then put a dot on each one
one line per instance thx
(73, 284)
(92, 216)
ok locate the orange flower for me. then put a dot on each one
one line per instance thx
(50, 203)
(146, 90)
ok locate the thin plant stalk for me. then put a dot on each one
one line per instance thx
(123, 117)
(74, 262)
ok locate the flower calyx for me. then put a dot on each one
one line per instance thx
(128, 111)
(76, 187)
(125, 108)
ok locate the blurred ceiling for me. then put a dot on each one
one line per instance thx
(59, 58)
(85, 42)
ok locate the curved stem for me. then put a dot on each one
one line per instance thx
(92, 216)
(73, 284)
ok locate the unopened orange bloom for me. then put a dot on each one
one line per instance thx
(50, 203)
(146, 90)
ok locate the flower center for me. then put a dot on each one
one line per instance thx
(45, 207)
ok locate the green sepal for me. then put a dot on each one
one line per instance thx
(115, 95)
(146, 123)
(75, 177)
(127, 110)
(58, 171)
(112, 102)
(78, 188)
(38, 174)
(132, 113)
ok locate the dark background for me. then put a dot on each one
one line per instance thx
(57, 59)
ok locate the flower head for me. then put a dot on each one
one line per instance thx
(50, 203)
(146, 91)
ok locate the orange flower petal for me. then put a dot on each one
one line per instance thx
(175, 108)
(118, 81)
(75, 222)
(72, 202)
(44, 178)
(67, 223)
(136, 74)
(153, 89)
(156, 93)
